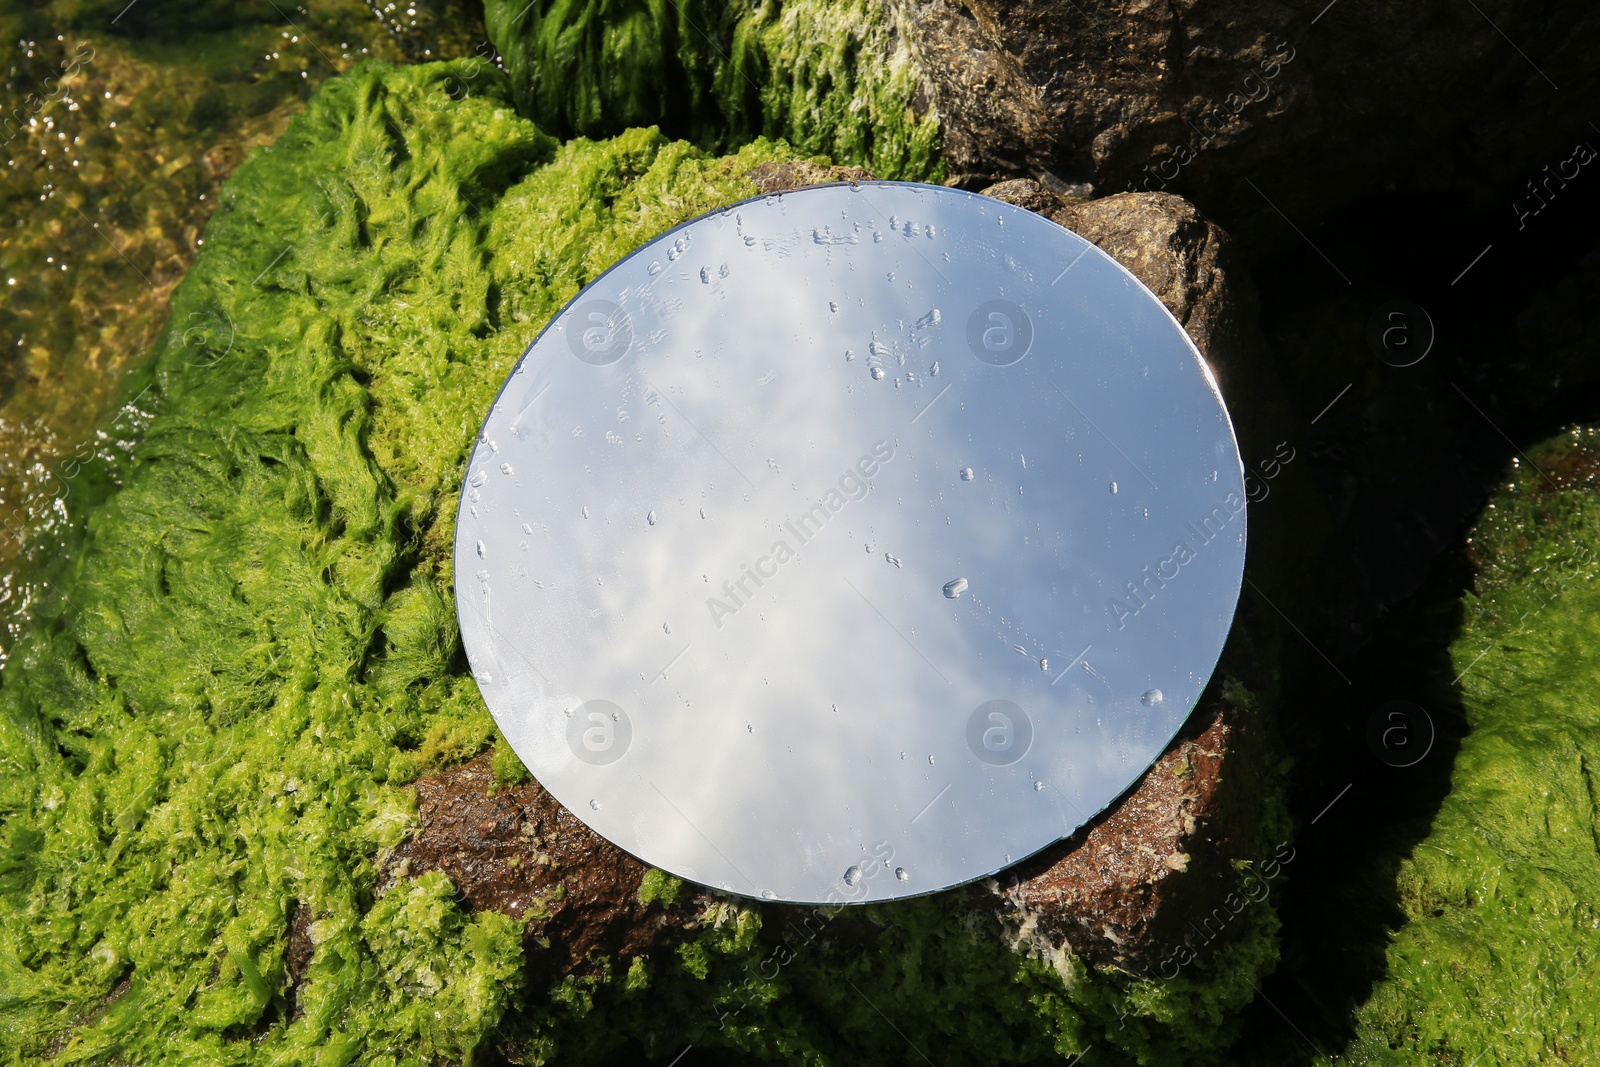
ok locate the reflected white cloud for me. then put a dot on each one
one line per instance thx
(778, 412)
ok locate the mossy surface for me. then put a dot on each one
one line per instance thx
(120, 123)
(1493, 964)
(830, 77)
(252, 648)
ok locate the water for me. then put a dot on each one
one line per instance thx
(1038, 785)
(651, 518)
(877, 374)
(954, 589)
(966, 474)
(902, 874)
(1113, 488)
(1151, 699)
(595, 804)
(887, 558)
(852, 875)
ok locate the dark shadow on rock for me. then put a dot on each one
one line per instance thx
(1358, 819)
(1405, 457)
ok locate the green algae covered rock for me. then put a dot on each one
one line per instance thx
(207, 737)
(1493, 964)
(831, 77)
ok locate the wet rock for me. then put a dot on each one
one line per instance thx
(517, 851)
(1199, 96)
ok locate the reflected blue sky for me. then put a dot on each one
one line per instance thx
(686, 531)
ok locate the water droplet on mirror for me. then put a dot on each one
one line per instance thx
(478, 479)
(832, 306)
(483, 553)
(767, 894)
(666, 628)
(705, 275)
(954, 589)
(595, 804)
(852, 875)
(901, 873)
(966, 474)
(527, 529)
(1044, 665)
(933, 371)
(586, 511)
(877, 374)
(887, 558)
(1151, 698)
(1113, 488)
(1038, 786)
(651, 518)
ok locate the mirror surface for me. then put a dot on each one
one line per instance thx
(850, 543)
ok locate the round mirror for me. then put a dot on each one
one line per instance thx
(850, 543)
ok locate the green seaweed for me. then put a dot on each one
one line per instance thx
(1492, 964)
(831, 77)
(252, 648)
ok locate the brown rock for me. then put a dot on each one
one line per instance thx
(777, 177)
(1198, 95)
(517, 851)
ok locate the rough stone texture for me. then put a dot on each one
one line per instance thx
(519, 852)
(1361, 96)
(1122, 890)
(776, 177)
